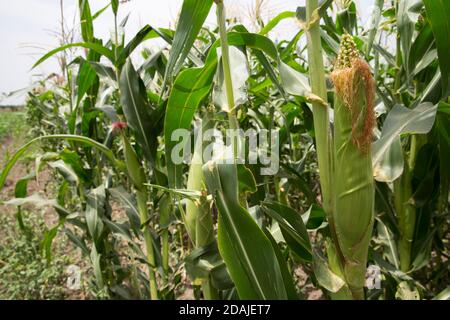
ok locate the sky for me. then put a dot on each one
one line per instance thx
(28, 27)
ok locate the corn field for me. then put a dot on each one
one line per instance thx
(232, 164)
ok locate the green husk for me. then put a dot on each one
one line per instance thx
(199, 222)
(198, 213)
(353, 178)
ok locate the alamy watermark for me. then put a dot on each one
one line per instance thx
(250, 147)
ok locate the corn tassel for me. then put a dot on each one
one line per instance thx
(353, 178)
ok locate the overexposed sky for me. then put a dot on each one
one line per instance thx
(27, 29)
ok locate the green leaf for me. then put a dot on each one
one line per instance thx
(166, 208)
(115, 6)
(390, 166)
(292, 228)
(38, 201)
(95, 260)
(421, 45)
(293, 81)
(34, 199)
(374, 23)
(422, 255)
(438, 13)
(99, 12)
(275, 21)
(120, 229)
(73, 159)
(321, 10)
(264, 62)
(205, 262)
(129, 203)
(46, 244)
(346, 18)
(287, 277)
(66, 171)
(193, 15)
(388, 241)
(326, 278)
(88, 45)
(137, 40)
(246, 180)
(78, 241)
(87, 79)
(87, 28)
(443, 295)
(426, 60)
(95, 208)
(400, 120)
(137, 109)
(239, 75)
(190, 88)
(105, 72)
(184, 193)
(270, 71)
(443, 126)
(314, 218)
(247, 252)
(20, 190)
(407, 15)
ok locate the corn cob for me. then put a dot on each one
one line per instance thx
(199, 222)
(353, 178)
(198, 213)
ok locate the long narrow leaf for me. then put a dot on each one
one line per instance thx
(438, 12)
(88, 45)
(193, 15)
(247, 252)
(136, 108)
(10, 164)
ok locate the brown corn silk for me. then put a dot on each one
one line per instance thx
(353, 178)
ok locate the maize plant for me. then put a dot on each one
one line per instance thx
(242, 160)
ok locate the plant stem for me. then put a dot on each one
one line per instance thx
(143, 213)
(404, 204)
(165, 250)
(227, 72)
(405, 215)
(322, 128)
(320, 112)
(116, 53)
(225, 56)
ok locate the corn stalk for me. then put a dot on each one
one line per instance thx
(137, 177)
(320, 110)
(221, 16)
